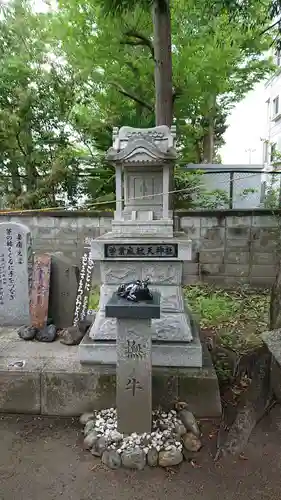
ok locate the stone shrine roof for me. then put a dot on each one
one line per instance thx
(153, 146)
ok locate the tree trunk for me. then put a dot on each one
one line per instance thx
(208, 140)
(163, 63)
(16, 181)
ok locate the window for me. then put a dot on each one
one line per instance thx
(272, 152)
(276, 106)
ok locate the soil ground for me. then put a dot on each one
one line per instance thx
(42, 458)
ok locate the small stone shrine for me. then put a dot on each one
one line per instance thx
(16, 264)
(141, 245)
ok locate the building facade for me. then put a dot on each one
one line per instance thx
(272, 138)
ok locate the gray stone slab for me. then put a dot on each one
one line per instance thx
(170, 327)
(12, 346)
(63, 290)
(133, 370)
(15, 274)
(118, 307)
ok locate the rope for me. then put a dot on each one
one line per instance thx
(89, 205)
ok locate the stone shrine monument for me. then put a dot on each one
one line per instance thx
(16, 263)
(141, 245)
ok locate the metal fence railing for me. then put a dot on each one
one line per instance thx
(245, 186)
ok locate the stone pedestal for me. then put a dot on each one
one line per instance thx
(133, 367)
(174, 340)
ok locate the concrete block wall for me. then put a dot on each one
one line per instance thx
(230, 247)
(233, 247)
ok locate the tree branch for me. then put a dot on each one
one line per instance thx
(270, 27)
(20, 144)
(135, 98)
(141, 40)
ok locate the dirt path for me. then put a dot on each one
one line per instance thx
(41, 459)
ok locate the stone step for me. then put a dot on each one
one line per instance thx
(53, 382)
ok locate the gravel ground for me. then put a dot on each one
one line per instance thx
(41, 459)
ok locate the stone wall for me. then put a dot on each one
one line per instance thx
(229, 246)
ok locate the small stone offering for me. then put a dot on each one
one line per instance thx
(86, 417)
(191, 442)
(188, 419)
(111, 458)
(152, 457)
(27, 332)
(46, 334)
(90, 440)
(134, 459)
(135, 450)
(90, 425)
(168, 458)
(74, 334)
(99, 446)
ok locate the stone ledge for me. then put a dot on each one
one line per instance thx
(57, 384)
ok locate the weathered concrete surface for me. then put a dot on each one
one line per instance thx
(53, 382)
(20, 389)
(42, 458)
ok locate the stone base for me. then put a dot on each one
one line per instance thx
(53, 382)
(132, 228)
(273, 341)
(176, 354)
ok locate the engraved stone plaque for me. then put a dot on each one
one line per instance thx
(139, 251)
(15, 274)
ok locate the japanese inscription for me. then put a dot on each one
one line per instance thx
(11, 266)
(134, 350)
(133, 385)
(168, 251)
(14, 278)
(40, 290)
(3, 279)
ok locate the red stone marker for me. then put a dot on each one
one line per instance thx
(39, 302)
